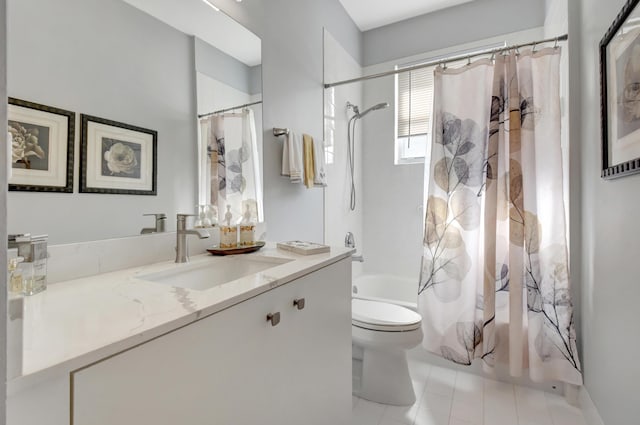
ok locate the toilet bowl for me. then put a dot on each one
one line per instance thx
(385, 331)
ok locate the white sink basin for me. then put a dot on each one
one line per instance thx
(212, 272)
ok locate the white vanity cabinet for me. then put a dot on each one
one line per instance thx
(233, 367)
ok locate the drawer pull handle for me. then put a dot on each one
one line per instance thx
(274, 318)
(299, 303)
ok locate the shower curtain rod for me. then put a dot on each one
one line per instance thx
(445, 60)
(229, 109)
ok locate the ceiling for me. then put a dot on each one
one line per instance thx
(369, 14)
(194, 17)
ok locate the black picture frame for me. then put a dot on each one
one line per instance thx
(611, 112)
(138, 147)
(65, 144)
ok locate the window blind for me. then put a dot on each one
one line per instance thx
(415, 100)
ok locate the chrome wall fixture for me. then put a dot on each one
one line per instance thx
(280, 131)
(230, 109)
(563, 37)
(351, 135)
(350, 242)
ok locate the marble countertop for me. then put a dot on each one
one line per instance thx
(75, 323)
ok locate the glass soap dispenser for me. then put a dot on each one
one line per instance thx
(37, 266)
(203, 217)
(15, 275)
(34, 267)
(228, 231)
(247, 229)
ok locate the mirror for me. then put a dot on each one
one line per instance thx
(148, 64)
(230, 111)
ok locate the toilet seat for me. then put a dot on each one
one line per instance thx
(381, 316)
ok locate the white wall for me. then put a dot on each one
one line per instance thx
(213, 62)
(214, 95)
(453, 26)
(393, 194)
(610, 229)
(338, 217)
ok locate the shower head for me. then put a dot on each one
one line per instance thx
(382, 105)
(355, 108)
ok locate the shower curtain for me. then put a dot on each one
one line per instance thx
(494, 282)
(233, 164)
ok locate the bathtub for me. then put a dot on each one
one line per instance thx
(388, 288)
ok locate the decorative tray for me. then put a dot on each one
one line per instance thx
(216, 250)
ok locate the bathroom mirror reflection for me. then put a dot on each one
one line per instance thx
(152, 64)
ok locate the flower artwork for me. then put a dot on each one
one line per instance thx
(42, 141)
(120, 158)
(25, 147)
(117, 158)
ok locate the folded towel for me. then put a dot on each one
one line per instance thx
(320, 176)
(292, 165)
(309, 162)
(285, 157)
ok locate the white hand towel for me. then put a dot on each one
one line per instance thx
(320, 177)
(285, 157)
(295, 157)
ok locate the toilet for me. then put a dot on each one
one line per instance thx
(385, 332)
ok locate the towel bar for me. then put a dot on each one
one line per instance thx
(280, 131)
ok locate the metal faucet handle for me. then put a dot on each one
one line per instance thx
(157, 215)
(161, 218)
(349, 240)
(183, 217)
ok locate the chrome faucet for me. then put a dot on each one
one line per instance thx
(350, 242)
(161, 218)
(182, 249)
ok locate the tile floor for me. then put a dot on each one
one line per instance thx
(449, 397)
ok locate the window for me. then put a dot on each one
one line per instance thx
(414, 106)
(329, 124)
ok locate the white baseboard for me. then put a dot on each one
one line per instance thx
(591, 415)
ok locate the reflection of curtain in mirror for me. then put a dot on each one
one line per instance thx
(233, 169)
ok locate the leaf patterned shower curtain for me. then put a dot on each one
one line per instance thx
(494, 281)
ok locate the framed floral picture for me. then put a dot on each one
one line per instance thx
(620, 94)
(117, 158)
(42, 142)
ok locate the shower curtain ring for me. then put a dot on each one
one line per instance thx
(534, 47)
(493, 56)
(555, 45)
(468, 60)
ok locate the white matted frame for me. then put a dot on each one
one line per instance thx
(117, 158)
(42, 147)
